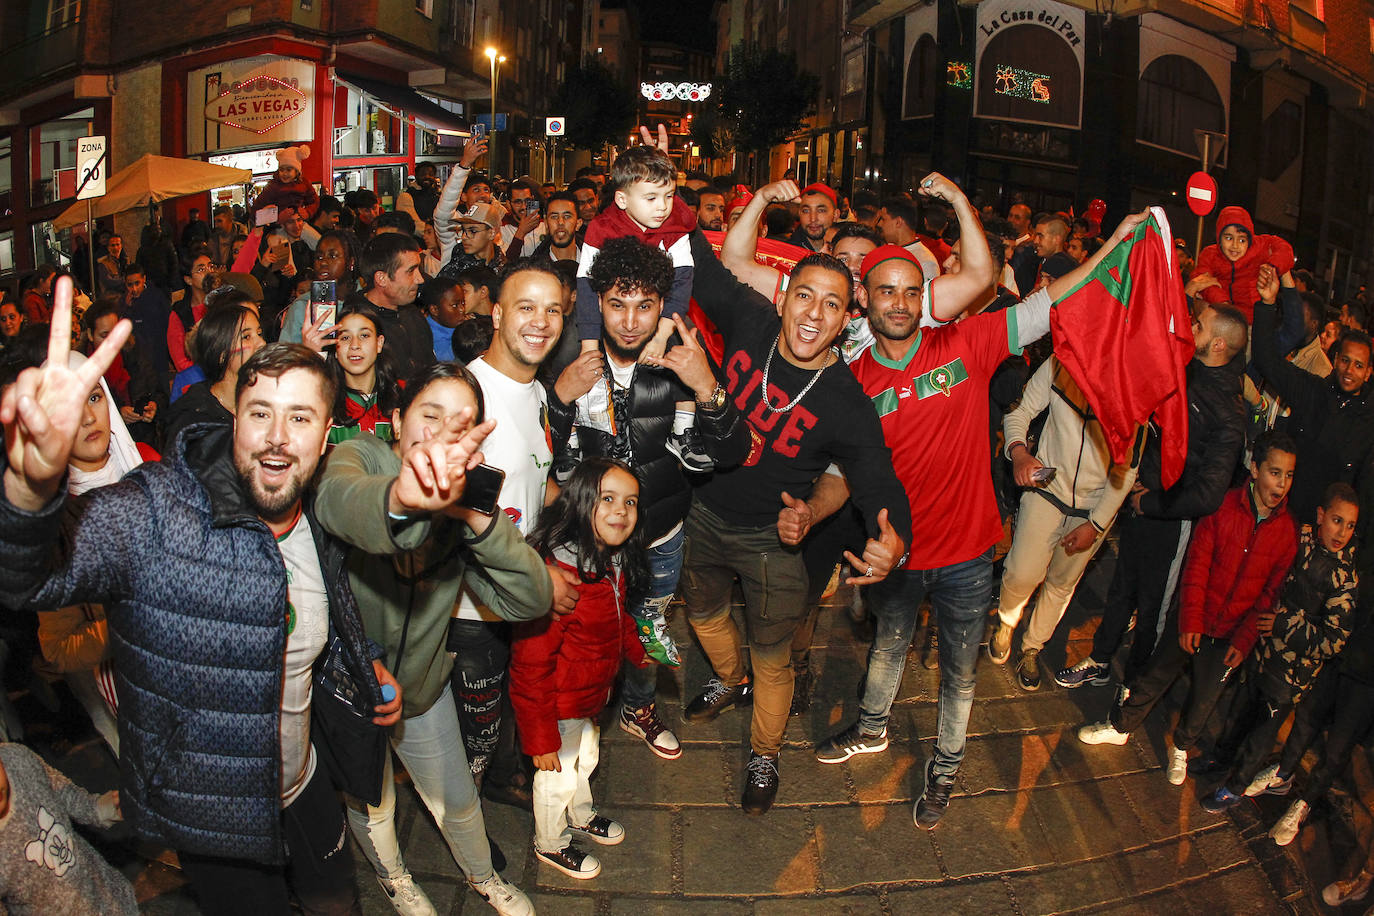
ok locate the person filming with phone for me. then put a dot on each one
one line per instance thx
(1064, 515)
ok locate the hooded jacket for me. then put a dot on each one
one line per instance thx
(195, 589)
(1238, 278)
(563, 666)
(1236, 563)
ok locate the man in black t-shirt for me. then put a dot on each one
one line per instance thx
(813, 414)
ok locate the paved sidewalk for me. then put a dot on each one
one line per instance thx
(1039, 823)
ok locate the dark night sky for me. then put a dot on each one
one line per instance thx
(685, 22)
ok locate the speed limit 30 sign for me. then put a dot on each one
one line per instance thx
(90, 167)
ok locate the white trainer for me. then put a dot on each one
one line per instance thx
(1286, 830)
(505, 898)
(1178, 767)
(1102, 733)
(406, 897)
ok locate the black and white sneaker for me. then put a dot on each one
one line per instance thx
(930, 807)
(760, 783)
(849, 743)
(715, 699)
(601, 830)
(687, 447)
(571, 861)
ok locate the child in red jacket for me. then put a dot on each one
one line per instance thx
(1235, 260)
(1236, 562)
(563, 667)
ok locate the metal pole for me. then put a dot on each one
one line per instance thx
(90, 243)
(1206, 157)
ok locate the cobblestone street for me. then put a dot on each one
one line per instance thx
(1039, 823)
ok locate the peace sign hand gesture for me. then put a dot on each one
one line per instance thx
(41, 412)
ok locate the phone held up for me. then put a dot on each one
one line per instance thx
(324, 302)
(483, 489)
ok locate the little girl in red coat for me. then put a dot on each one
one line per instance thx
(563, 667)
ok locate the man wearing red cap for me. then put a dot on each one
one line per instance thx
(930, 387)
(818, 203)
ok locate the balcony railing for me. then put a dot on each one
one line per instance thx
(37, 58)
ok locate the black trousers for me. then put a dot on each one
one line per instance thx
(1149, 563)
(318, 869)
(1259, 706)
(1169, 663)
(481, 657)
(1342, 705)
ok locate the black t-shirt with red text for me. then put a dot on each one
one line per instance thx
(834, 423)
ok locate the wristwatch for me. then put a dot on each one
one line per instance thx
(715, 401)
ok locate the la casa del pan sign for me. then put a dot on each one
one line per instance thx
(257, 104)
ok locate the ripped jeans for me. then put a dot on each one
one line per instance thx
(665, 567)
(960, 596)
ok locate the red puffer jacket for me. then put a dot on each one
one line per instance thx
(1236, 564)
(563, 666)
(1237, 278)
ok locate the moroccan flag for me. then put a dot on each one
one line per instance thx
(771, 253)
(1125, 335)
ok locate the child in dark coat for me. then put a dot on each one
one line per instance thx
(562, 668)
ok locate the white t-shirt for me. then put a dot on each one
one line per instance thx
(519, 446)
(307, 632)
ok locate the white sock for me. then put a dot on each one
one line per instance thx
(683, 420)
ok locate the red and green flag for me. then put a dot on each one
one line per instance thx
(1125, 335)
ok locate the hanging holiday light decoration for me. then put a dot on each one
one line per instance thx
(664, 92)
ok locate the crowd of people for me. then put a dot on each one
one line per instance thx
(287, 508)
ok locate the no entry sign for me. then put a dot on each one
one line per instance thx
(1201, 192)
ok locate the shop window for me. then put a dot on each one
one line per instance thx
(922, 74)
(62, 13)
(1177, 96)
(1028, 73)
(1282, 134)
(52, 156)
(361, 128)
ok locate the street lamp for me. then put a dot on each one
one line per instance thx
(496, 59)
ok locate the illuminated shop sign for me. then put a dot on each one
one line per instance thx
(258, 104)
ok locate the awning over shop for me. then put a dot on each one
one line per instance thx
(406, 103)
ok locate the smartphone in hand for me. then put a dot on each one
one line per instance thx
(324, 302)
(1042, 476)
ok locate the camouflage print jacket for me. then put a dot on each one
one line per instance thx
(1314, 615)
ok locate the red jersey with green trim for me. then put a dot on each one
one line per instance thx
(364, 416)
(933, 406)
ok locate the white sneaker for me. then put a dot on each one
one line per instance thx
(1178, 767)
(1102, 733)
(1286, 830)
(505, 898)
(408, 899)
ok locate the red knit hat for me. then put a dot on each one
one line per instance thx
(886, 253)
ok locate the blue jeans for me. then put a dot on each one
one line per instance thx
(665, 566)
(960, 596)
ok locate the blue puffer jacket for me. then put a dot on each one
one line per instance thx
(195, 590)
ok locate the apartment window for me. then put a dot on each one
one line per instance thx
(1177, 96)
(52, 156)
(6, 176)
(6, 253)
(921, 79)
(62, 13)
(364, 129)
(425, 8)
(1282, 132)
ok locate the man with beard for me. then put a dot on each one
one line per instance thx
(631, 280)
(528, 321)
(560, 215)
(223, 595)
(390, 270)
(711, 209)
(817, 216)
(930, 388)
(805, 412)
(587, 193)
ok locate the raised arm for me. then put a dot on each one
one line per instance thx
(952, 294)
(742, 239)
(450, 194)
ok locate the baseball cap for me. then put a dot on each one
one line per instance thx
(490, 214)
(821, 188)
(887, 253)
